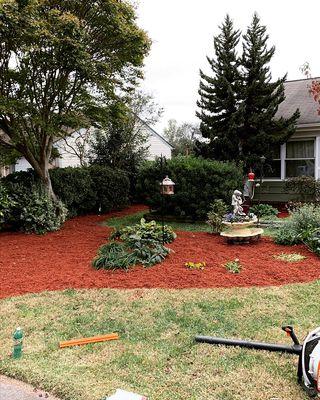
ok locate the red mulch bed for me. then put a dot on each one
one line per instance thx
(59, 260)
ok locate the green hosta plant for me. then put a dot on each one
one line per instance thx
(146, 231)
(132, 245)
(123, 255)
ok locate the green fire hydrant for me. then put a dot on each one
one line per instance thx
(17, 343)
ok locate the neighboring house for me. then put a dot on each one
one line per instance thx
(301, 154)
(156, 144)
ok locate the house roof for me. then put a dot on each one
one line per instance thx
(298, 96)
(155, 133)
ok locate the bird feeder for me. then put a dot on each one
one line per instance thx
(167, 186)
(251, 176)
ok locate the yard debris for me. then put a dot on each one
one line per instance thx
(94, 339)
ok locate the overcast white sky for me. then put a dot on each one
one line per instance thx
(182, 32)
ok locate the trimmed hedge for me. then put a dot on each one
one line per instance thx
(82, 189)
(74, 187)
(198, 183)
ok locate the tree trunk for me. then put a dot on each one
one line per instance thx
(42, 170)
(46, 180)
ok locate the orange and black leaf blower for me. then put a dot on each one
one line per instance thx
(308, 352)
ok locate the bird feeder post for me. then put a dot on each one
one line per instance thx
(166, 189)
(262, 161)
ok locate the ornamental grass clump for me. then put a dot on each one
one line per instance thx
(289, 257)
(133, 245)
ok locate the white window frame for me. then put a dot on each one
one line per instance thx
(283, 153)
(303, 139)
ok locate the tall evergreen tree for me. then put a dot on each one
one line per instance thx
(260, 131)
(218, 96)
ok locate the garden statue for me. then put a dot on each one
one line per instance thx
(240, 226)
(237, 202)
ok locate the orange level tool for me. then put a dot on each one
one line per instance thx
(94, 339)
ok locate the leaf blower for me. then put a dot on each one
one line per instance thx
(308, 352)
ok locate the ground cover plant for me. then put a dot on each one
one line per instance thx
(156, 354)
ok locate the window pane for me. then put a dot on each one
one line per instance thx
(275, 151)
(299, 168)
(300, 149)
(273, 169)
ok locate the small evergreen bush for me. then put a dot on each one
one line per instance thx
(198, 183)
(215, 216)
(34, 211)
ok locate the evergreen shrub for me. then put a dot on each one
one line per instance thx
(82, 189)
(198, 183)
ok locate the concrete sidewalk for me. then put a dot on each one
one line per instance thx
(11, 389)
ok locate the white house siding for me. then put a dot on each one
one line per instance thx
(158, 147)
(22, 165)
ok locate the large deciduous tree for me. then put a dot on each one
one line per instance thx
(182, 137)
(219, 96)
(260, 130)
(61, 65)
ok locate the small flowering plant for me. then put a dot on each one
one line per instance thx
(193, 265)
(239, 218)
(233, 266)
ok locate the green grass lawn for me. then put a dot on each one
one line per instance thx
(119, 222)
(156, 355)
(131, 219)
